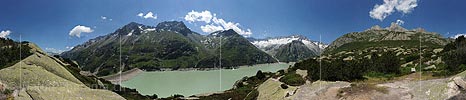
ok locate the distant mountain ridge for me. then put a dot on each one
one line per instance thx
(392, 33)
(288, 48)
(168, 45)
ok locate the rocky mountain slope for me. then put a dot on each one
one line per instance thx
(278, 47)
(395, 35)
(294, 51)
(168, 45)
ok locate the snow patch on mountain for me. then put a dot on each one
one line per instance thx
(266, 43)
(274, 41)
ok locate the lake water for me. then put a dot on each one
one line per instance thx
(188, 83)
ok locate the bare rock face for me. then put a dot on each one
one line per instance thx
(396, 27)
(453, 89)
(376, 27)
(460, 82)
(2, 86)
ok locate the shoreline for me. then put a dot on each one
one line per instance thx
(212, 68)
(127, 75)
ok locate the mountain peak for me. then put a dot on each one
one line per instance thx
(395, 27)
(224, 33)
(132, 25)
(177, 26)
(376, 27)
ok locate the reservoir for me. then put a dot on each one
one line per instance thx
(187, 83)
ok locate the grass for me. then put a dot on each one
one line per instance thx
(293, 79)
(242, 90)
(387, 43)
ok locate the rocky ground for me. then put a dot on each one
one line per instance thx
(408, 87)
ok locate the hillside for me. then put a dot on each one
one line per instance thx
(169, 45)
(393, 36)
(43, 77)
(10, 51)
(294, 51)
(235, 49)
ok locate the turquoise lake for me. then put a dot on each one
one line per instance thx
(188, 83)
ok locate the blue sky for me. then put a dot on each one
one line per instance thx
(48, 23)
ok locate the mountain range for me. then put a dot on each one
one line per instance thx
(289, 48)
(168, 45)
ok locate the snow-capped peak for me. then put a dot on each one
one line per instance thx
(270, 43)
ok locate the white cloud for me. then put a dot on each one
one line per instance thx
(458, 35)
(148, 15)
(380, 12)
(77, 30)
(4, 34)
(406, 6)
(193, 16)
(232, 25)
(140, 14)
(69, 48)
(214, 23)
(211, 28)
(103, 17)
(400, 22)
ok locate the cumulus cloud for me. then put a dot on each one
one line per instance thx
(380, 12)
(211, 28)
(140, 14)
(400, 22)
(193, 16)
(458, 35)
(147, 16)
(4, 34)
(77, 30)
(214, 23)
(232, 25)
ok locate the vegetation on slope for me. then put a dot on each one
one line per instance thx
(454, 55)
(385, 43)
(99, 83)
(344, 69)
(245, 89)
(293, 79)
(10, 52)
